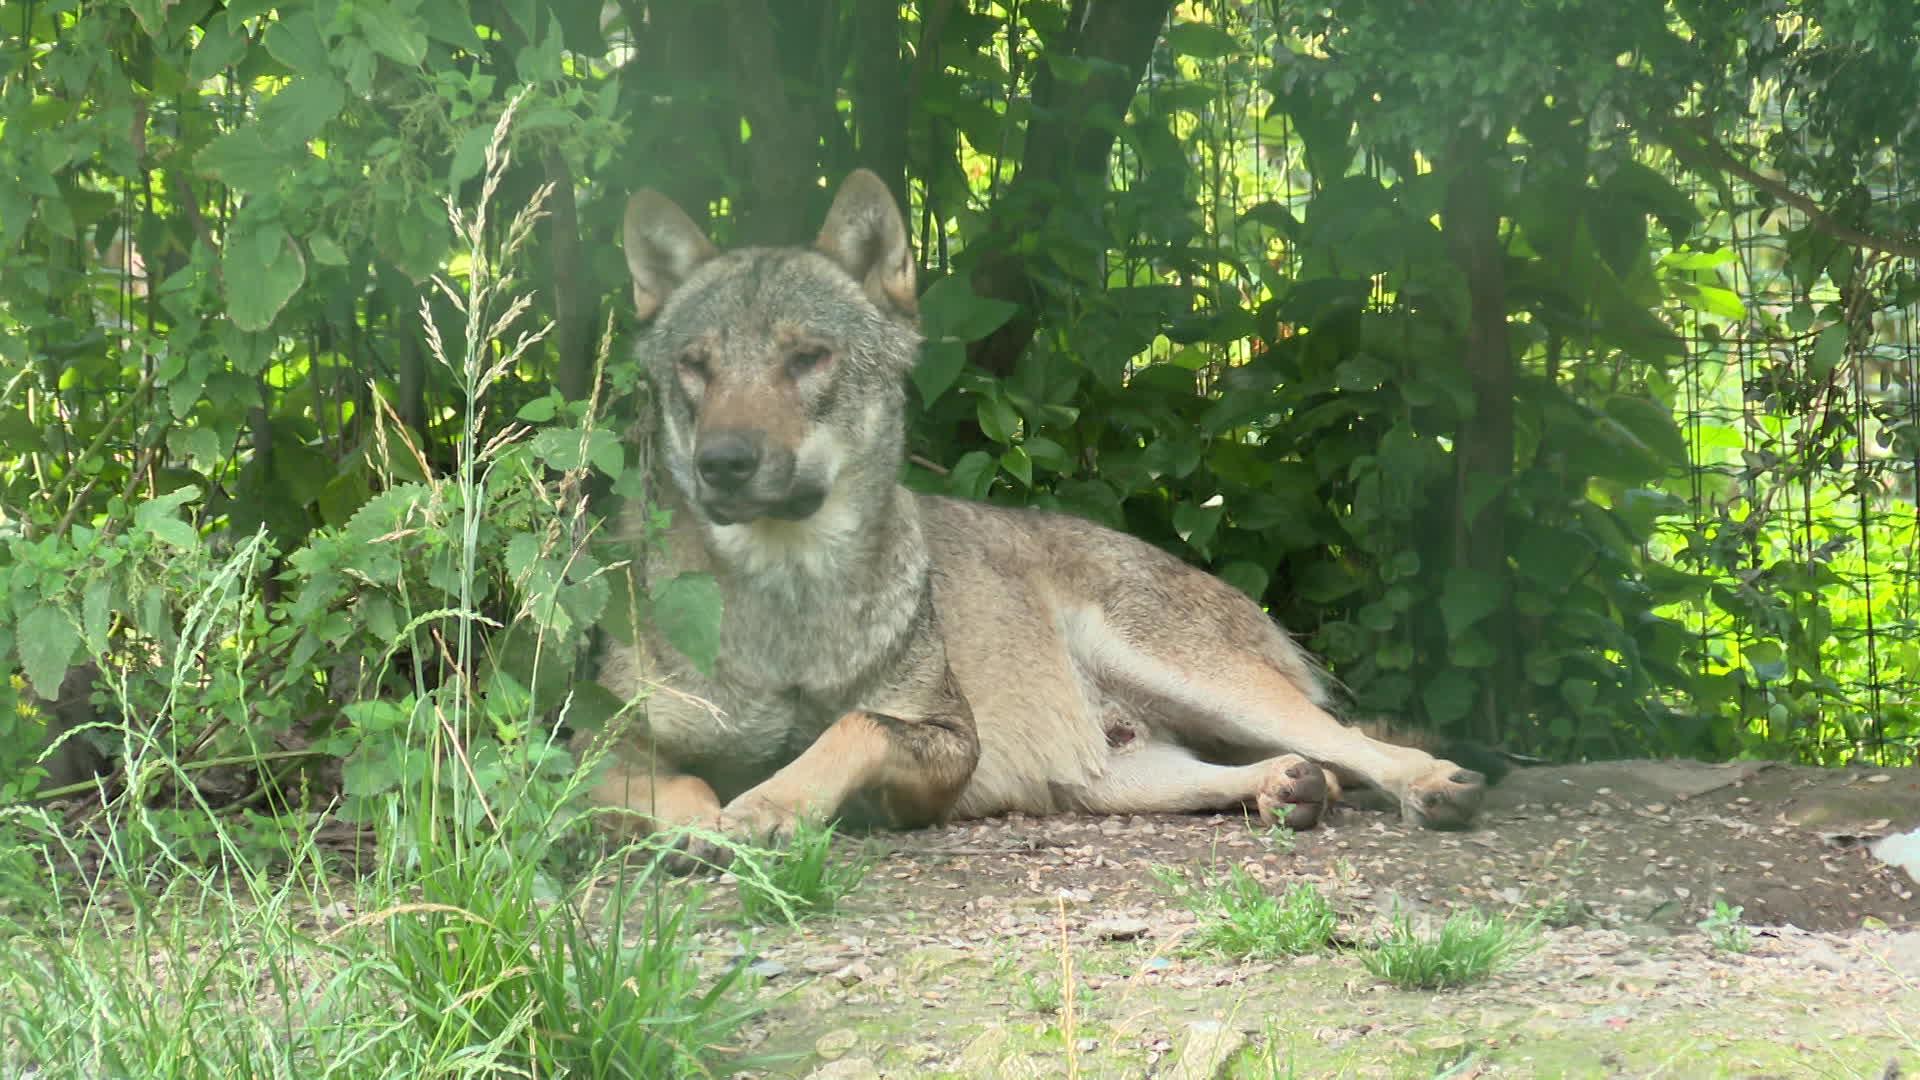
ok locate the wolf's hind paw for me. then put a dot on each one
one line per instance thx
(1295, 793)
(1447, 798)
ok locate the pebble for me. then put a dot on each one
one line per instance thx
(846, 1069)
(1206, 1049)
(835, 1044)
(824, 964)
(1118, 928)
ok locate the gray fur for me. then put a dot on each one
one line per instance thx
(929, 657)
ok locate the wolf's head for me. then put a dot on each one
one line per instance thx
(779, 372)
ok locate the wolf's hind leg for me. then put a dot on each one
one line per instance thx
(1161, 777)
(1231, 678)
(1245, 701)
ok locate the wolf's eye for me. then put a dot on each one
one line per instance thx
(692, 365)
(807, 358)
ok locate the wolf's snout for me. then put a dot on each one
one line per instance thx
(728, 460)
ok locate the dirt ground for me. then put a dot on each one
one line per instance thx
(1042, 948)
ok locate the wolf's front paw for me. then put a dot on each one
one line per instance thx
(1446, 798)
(756, 819)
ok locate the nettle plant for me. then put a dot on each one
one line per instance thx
(434, 642)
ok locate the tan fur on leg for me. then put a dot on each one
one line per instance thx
(656, 801)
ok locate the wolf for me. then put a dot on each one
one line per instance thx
(907, 658)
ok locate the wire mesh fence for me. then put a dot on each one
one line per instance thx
(1798, 403)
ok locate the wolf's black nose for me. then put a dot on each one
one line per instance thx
(727, 460)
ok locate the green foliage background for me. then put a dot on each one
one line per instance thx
(1549, 364)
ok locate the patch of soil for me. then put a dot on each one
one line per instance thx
(941, 965)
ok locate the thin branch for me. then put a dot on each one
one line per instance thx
(1699, 151)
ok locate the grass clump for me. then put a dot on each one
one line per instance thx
(1241, 920)
(1040, 995)
(1466, 948)
(1724, 928)
(798, 878)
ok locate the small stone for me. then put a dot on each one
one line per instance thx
(824, 964)
(846, 1069)
(1206, 1048)
(835, 1044)
(858, 971)
(1118, 929)
(767, 969)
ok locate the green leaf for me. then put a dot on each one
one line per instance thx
(295, 40)
(1448, 696)
(261, 269)
(1767, 660)
(1249, 577)
(1018, 465)
(369, 771)
(972, 475)
(1711, 299)
(940, 364)
(243, 161)
(1048, 454)
(606, 453)
(522, 552)
(448, 21)
(46, 642)
(539, 410)
(156, 516)
(300, 111)
(1652, 424)
(998, 420)
(325, 250)
(1580, 693)
(1201, 41)
(687, 610)
(1377, 617)
(1698, 260)
(1467, 597)
(951, 310)
(1325, 582)
(221, 46)
(379, 615)
(394, 35)
(1196, 523)
(469, 155)
(96, 614)
(1828, 350)
(566, 450)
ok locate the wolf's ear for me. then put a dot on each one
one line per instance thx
(865, 235)
(663, 247)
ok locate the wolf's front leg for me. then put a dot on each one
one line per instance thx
(648, 796)
(914, 769)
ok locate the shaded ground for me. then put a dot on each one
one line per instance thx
(960, 955)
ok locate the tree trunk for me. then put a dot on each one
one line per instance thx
(782, 148)
(572, 313)
(879, 107)
(1483, 448)
(1064, 152)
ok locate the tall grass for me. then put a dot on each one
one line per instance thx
(458, 954)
